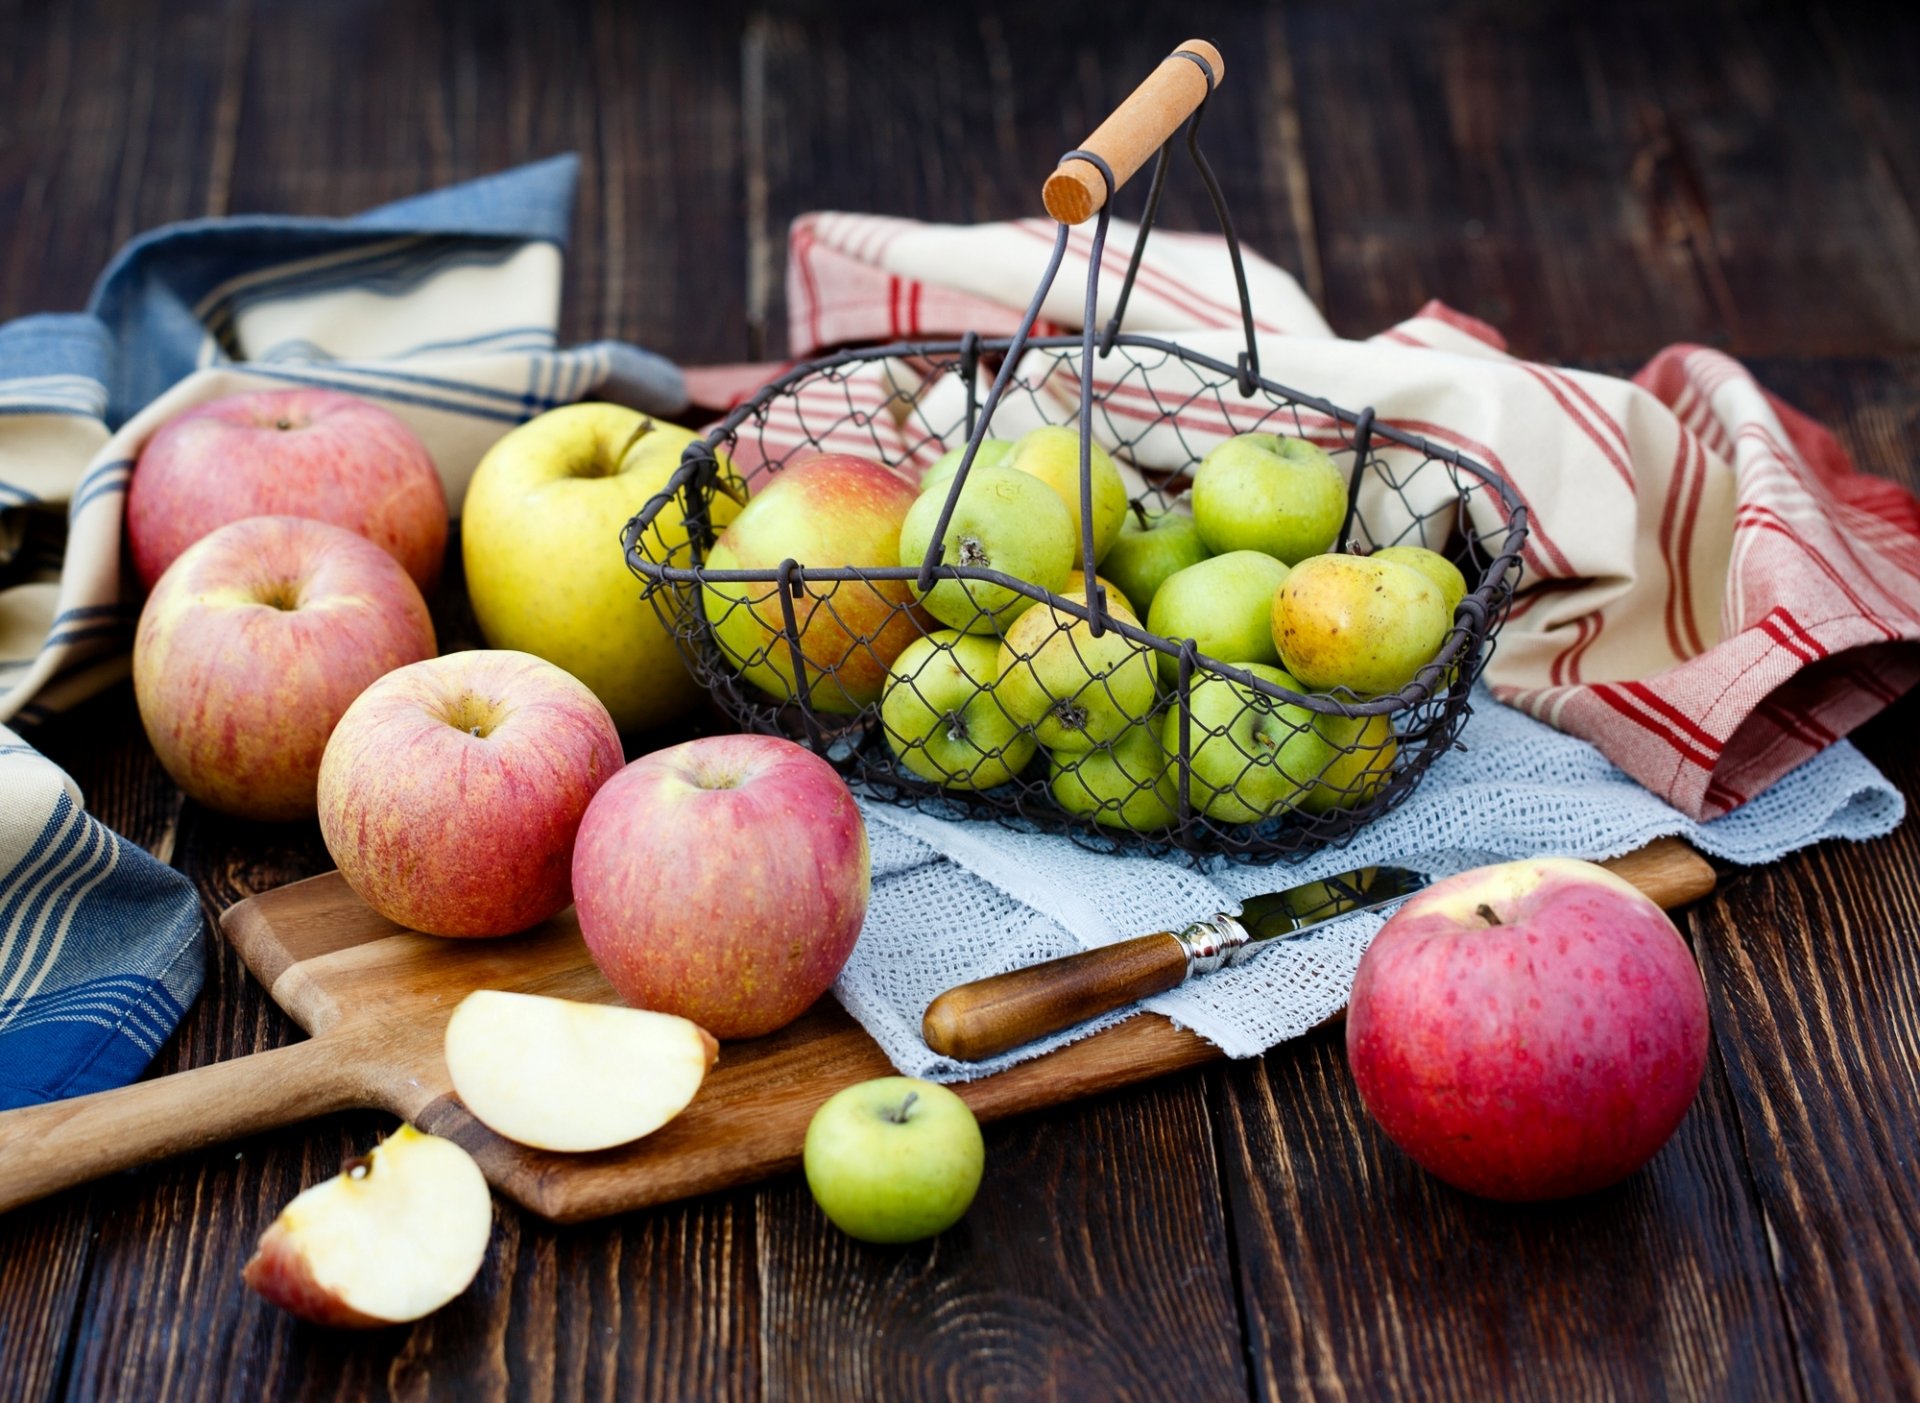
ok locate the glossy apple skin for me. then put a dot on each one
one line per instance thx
(724, 880)
(458, 834)
(253, 645)
(827, 511)
(1547, 1056)
(299, 452)
(886, 1169)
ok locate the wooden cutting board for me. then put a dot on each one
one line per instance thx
(376, 998)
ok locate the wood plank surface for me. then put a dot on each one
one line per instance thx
(1596, 181)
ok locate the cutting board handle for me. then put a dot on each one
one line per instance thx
(46, 1148)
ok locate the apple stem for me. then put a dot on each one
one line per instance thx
(1487, 914)
(898, 1115)
(641, 430)
(1139, 512)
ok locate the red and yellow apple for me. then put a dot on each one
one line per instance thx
(724, 880)
(298, 452)
(1530, 1030)
(452, 789)
(827, 511)
(253, 645)
(395, 1235)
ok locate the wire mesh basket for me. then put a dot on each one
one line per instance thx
(929, 676)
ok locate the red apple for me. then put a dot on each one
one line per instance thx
(827, 511)
(452, 789)
(724, 880)
(300, 452)
(252, 646)
(1531, 1030)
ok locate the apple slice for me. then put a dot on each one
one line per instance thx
(393, 1236)
(561, 1075)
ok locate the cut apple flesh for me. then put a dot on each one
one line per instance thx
(561, 1075)
(394, 1236)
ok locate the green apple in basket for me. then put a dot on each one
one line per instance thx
(1284, 497)
(993, 453)
(941, 716)
(1004, 520)
(1126, 783)
(1358, 622)
(1444, 573)
(1252, 756)
(1052, 454)
(825, 511)
(1364, 748)
(1224, 604)
(1151, 548)
(540, 535)
(1075, 690)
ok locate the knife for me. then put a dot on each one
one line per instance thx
(989, 1016)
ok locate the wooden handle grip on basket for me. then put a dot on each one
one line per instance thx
(1138, 127)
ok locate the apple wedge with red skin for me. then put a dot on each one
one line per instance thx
(395, 1235)
(1531, 1030)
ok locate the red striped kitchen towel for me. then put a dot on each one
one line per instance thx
(1712, 592)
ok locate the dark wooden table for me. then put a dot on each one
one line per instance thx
(1597, 180)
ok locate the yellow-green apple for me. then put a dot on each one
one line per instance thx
(395, 1235)
(1052, 454)
(1444, 573)
(994, 452)
(300, 452)
(725, 880)
(1224, 604)
(452, 789)
(829, 510)
(540, 534)
(1126, 783)
(1363, 752)
(1251, 755)
(252, 646)
(895, 1159)
(1150, 550)
(942, 719)
(572, 1077)
(1284, 497)
(1073, 690)
(1530, 1030)
(1117, 600)
(1358, 622)
(1004, 520)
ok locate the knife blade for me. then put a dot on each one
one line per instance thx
(990, 1016)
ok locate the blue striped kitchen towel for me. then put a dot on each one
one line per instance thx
(444, 308)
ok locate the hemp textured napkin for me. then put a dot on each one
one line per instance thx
(954, 902)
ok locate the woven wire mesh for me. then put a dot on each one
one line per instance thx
(1045, 707)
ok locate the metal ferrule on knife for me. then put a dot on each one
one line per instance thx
(1213, 944)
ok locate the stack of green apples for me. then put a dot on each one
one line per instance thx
(1242, 567)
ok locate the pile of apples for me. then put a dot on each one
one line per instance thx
(286, 667)
(972, 680)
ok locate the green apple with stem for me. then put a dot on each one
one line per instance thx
(1364, 748)
(1224, 604)
(1126, 783)
(1252, 756)
(942, 719)
(1052, 454)
(1358, 622)
(1004, 520)
(1444, 573)
(895, 1159)
(1284, 497)
(1150, 549)
(993, 453)
(1073, 689)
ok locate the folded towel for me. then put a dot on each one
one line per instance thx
(1712, 593)
(442, 308)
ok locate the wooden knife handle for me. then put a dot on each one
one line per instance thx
(54, 1146)
(991, 1015)
(1136, 129)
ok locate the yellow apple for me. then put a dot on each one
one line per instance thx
(540, 535)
